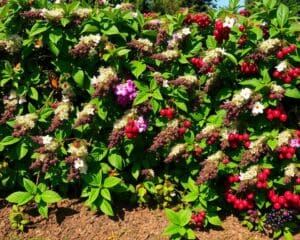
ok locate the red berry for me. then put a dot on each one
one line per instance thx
(76, 144)
(182, 130)
(198, 151)
(187, 124)
(276, 74)
(225, 161)
(247, 144)
(280, 54)
(276, 113)
(283, 117)
(242, 28)
(277, 205)
(250, 196)
(292, 48)
(298, 180)
(267, 171)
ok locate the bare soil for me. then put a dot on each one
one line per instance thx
(70, 220)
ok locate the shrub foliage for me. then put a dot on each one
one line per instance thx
(195, 110)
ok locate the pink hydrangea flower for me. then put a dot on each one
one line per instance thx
(125, 92)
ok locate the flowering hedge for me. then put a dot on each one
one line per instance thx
(195, 110)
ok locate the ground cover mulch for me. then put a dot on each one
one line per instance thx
(71, 220)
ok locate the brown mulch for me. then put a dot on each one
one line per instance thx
(70, 220)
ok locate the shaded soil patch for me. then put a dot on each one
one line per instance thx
(70, 220)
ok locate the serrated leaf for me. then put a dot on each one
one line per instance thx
(105, 207)
(173, 216)
(50, 196)
(282, 15)
(20, 198)
(111, 181)
(105, 194)
(137, 68)
(29, 186)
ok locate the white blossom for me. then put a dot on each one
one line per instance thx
(245, 93)
(250, 173)
(47, 139)
(258, 108)
(81, 165)
(229, 22)
(282, 66)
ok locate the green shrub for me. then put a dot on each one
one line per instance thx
(198, 111)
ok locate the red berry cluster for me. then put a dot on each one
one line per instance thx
(240, 203)
(167, 112)
(131, 130)
(242, 40)
(201, 19)
(262, 178)
(233, 179)
(235, 138)
(211, 139)
(277, 113)
(183, 127)
(244, 12)
(198, 151)
(287, 200)
(150, 14)
(202, 66)
(198, 218)
(286, 51)
(287, 76)
(221, 33)
(249, 68)
(286, 152)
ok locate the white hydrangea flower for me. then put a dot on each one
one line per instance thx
(80, 151)
(186, 31)
(284, 137)
(28, 120)
(282, 66)
(290, 170)
(269, 45)
(81, 165)
(177, 149)
(229, 22)
(258, 108)
(104, 75)
(47, 139)
(250, 173)
(245, 93)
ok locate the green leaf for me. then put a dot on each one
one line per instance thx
(42, 187)
(190, 234)
(135, 170)
(22, 150)
(106, 194)
(116, 161)
(79, 78)
(33, 93)
(93, 195)
(29, 186)
(111, 31)
(9, 140)
(211, 43)
(287, 234)
(171, 229)
(157, 95)
(173, 217)
(270, 4)
(111, 181)
(214, 220)
(185, 216)
(231, 57)
(89, 28)
(292, 93)
(181, 105)
(137, 68)
(272, 143)
(282, 15)
(190, 197)
(20, 198)
(50, 196)
(123, 52)
(38, 28)
(55, 36)
(43, 209)
(141, 97)
(105, 207)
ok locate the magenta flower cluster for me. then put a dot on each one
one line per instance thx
(125, 92)
(142, 124)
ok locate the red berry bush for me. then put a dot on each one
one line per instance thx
(196, 111)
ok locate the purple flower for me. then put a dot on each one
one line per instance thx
(125, 92)
(142, 124)
(295, 142)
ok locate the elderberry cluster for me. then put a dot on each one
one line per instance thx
(278, 218)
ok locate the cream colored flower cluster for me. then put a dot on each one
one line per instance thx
(105, 74)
